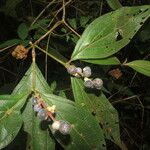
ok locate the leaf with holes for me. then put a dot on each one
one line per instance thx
(109, 33)
(10, 117)
(100, 107)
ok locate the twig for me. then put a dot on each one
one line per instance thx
(41, 13)
(52, 56)
(48, 32)
(65, 23)
(47, 46)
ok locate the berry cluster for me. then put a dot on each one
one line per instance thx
(48, 113)
(86, 72)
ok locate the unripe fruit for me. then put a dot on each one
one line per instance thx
(64, 128)
(56, 125)
(87, 71)
(37, 107)
(42, 114)
(98, 83)
(88, 83)
(71, 69)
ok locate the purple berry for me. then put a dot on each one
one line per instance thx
(34, 100)
(98, 83)
(87, 71)
(42, 114)
(64, 128)
(88, 83)
(71, 69)
(78, 70)
(37, 107)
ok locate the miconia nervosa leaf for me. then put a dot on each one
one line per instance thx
(85, 133)
(33, 80)
(100, 107)
(141, 66)
(39, 137)
(84, 125)
(10, 117)
(104, 61)
(109, 33)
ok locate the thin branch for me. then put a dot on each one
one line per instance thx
(64, 11)
(59, 11)
(47, 46)
(52, 56)
(41, 13)
(69, 27)
(48, 32)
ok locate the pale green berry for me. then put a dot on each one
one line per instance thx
(42, 114)
(98, 83)
(87, 71)
(64, 128)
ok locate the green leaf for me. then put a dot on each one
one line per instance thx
(141, 66)
(9, 128)
(114, 4)
(23, 31)
(32, 80)
(111, 32)
(85, 133)
(10, 43)
(38, 138)
(10, 117)
(80, 137)
(105, 61)
(40, 23)
(100, 107)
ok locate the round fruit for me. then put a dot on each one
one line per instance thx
(34, 100)
(78, 70)
(98, 83)
(56, 125)
(71, 69)
(37, 107)
(42, 114)
(88, 83)
(64, 128)
(87, 71)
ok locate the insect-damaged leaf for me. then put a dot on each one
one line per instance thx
(109, 33)
(100, 107)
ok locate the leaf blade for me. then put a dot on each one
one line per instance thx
(104, 112)
(141, 66)
(100, 39)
